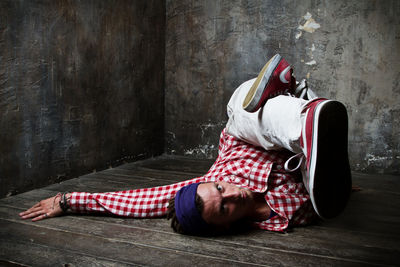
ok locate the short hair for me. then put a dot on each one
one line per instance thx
(171, 213)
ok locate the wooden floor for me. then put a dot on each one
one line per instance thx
(368, 233)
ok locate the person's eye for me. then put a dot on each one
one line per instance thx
(219, 187)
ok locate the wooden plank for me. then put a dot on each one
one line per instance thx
(303, 240)
(357, 217)
(95, 184)
(370, 211)
(367, 232)
(188, 247)
(112, 181)
(173, 163)
(269, 245)
(14, 252)
(378, 182)
(142, 173)
(108, 248)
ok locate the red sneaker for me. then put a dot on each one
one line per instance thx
(327, 174)
(274, 79)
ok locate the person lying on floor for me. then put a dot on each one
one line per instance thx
(282, 161)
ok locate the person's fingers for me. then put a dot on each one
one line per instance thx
(40, 217)
(23, 213)
(31, 210)
(29, 215)
(34, 207)
(37, 205)
(33, 214)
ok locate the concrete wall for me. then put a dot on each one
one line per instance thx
(348, 50)
(81, 82)
(81, 87)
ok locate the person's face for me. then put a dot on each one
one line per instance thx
(224, 203)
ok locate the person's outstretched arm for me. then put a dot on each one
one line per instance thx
(139, 203)
(46, 208)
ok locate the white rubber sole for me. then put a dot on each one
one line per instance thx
(256, 91)
(329, 171)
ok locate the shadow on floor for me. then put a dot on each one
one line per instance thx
(367, 233)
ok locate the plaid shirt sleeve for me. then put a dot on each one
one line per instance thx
(138, 203)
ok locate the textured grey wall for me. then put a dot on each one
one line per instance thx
(81, 87)
(349, 51)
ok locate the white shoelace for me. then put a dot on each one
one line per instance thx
(303, 91)
(300, 157)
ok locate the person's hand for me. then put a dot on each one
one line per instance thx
(46, 208)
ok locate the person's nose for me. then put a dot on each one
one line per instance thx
(231, 194)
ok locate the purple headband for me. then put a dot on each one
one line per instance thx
(186, 212)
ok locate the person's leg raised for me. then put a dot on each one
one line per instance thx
(316, 128)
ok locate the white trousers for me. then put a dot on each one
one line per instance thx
(274, 126)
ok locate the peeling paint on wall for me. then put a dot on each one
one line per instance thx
(312, 62)
(348, 51)
(310, 25)
(204, 150)
(210, 127)
(379, 160)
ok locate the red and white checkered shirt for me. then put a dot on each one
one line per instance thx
(238, 163)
